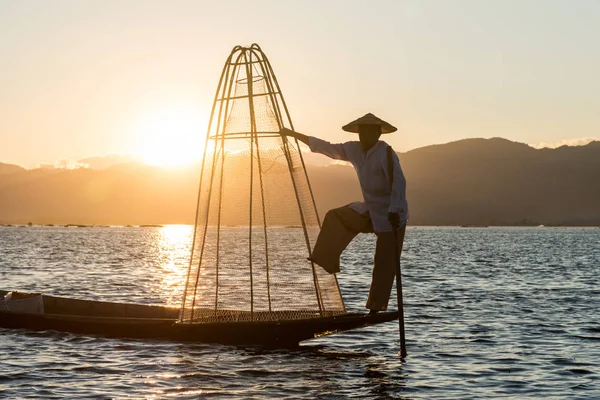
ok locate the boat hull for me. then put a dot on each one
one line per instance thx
(122, 320)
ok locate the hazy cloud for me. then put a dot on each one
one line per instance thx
(107, 160)
(63, 163)
(582, 141)
(97, 162)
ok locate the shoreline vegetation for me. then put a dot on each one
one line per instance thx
(166, 225)
(30, 224)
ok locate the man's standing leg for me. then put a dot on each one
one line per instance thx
(384, 270)
(340, 226)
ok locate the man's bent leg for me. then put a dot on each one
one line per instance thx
(340, 226)
(384, 270)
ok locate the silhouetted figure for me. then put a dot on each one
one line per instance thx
(384, 191)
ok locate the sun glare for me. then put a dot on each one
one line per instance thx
(171, 136)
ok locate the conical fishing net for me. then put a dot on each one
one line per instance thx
(256, 221)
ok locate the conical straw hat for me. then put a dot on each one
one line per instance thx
(369, 119)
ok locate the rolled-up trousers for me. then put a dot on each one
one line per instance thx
(340, 226)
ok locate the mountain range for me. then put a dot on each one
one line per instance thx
(468, 182)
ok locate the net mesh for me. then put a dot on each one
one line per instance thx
(256, 220)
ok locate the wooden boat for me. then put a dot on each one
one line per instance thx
(124, 320)
(252, 182)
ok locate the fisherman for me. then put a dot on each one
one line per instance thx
(384, 191)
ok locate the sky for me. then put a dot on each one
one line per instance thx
(85, 78)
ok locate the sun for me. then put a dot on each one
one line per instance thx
(171, 136)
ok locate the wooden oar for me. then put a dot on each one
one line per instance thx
(395, 227)
(399, 289)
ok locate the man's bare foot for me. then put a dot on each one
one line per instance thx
(373, 312)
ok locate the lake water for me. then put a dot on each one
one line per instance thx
(490, 313)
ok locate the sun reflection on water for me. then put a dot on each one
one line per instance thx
(174, 243)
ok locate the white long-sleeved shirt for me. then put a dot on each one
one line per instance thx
(373, 175)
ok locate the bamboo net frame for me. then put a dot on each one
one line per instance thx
(256, 218)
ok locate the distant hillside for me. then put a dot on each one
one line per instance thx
(496, 181)
(10, 168)
(473, 181)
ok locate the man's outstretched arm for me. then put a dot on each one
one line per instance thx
(332, 150)
(301, 137)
